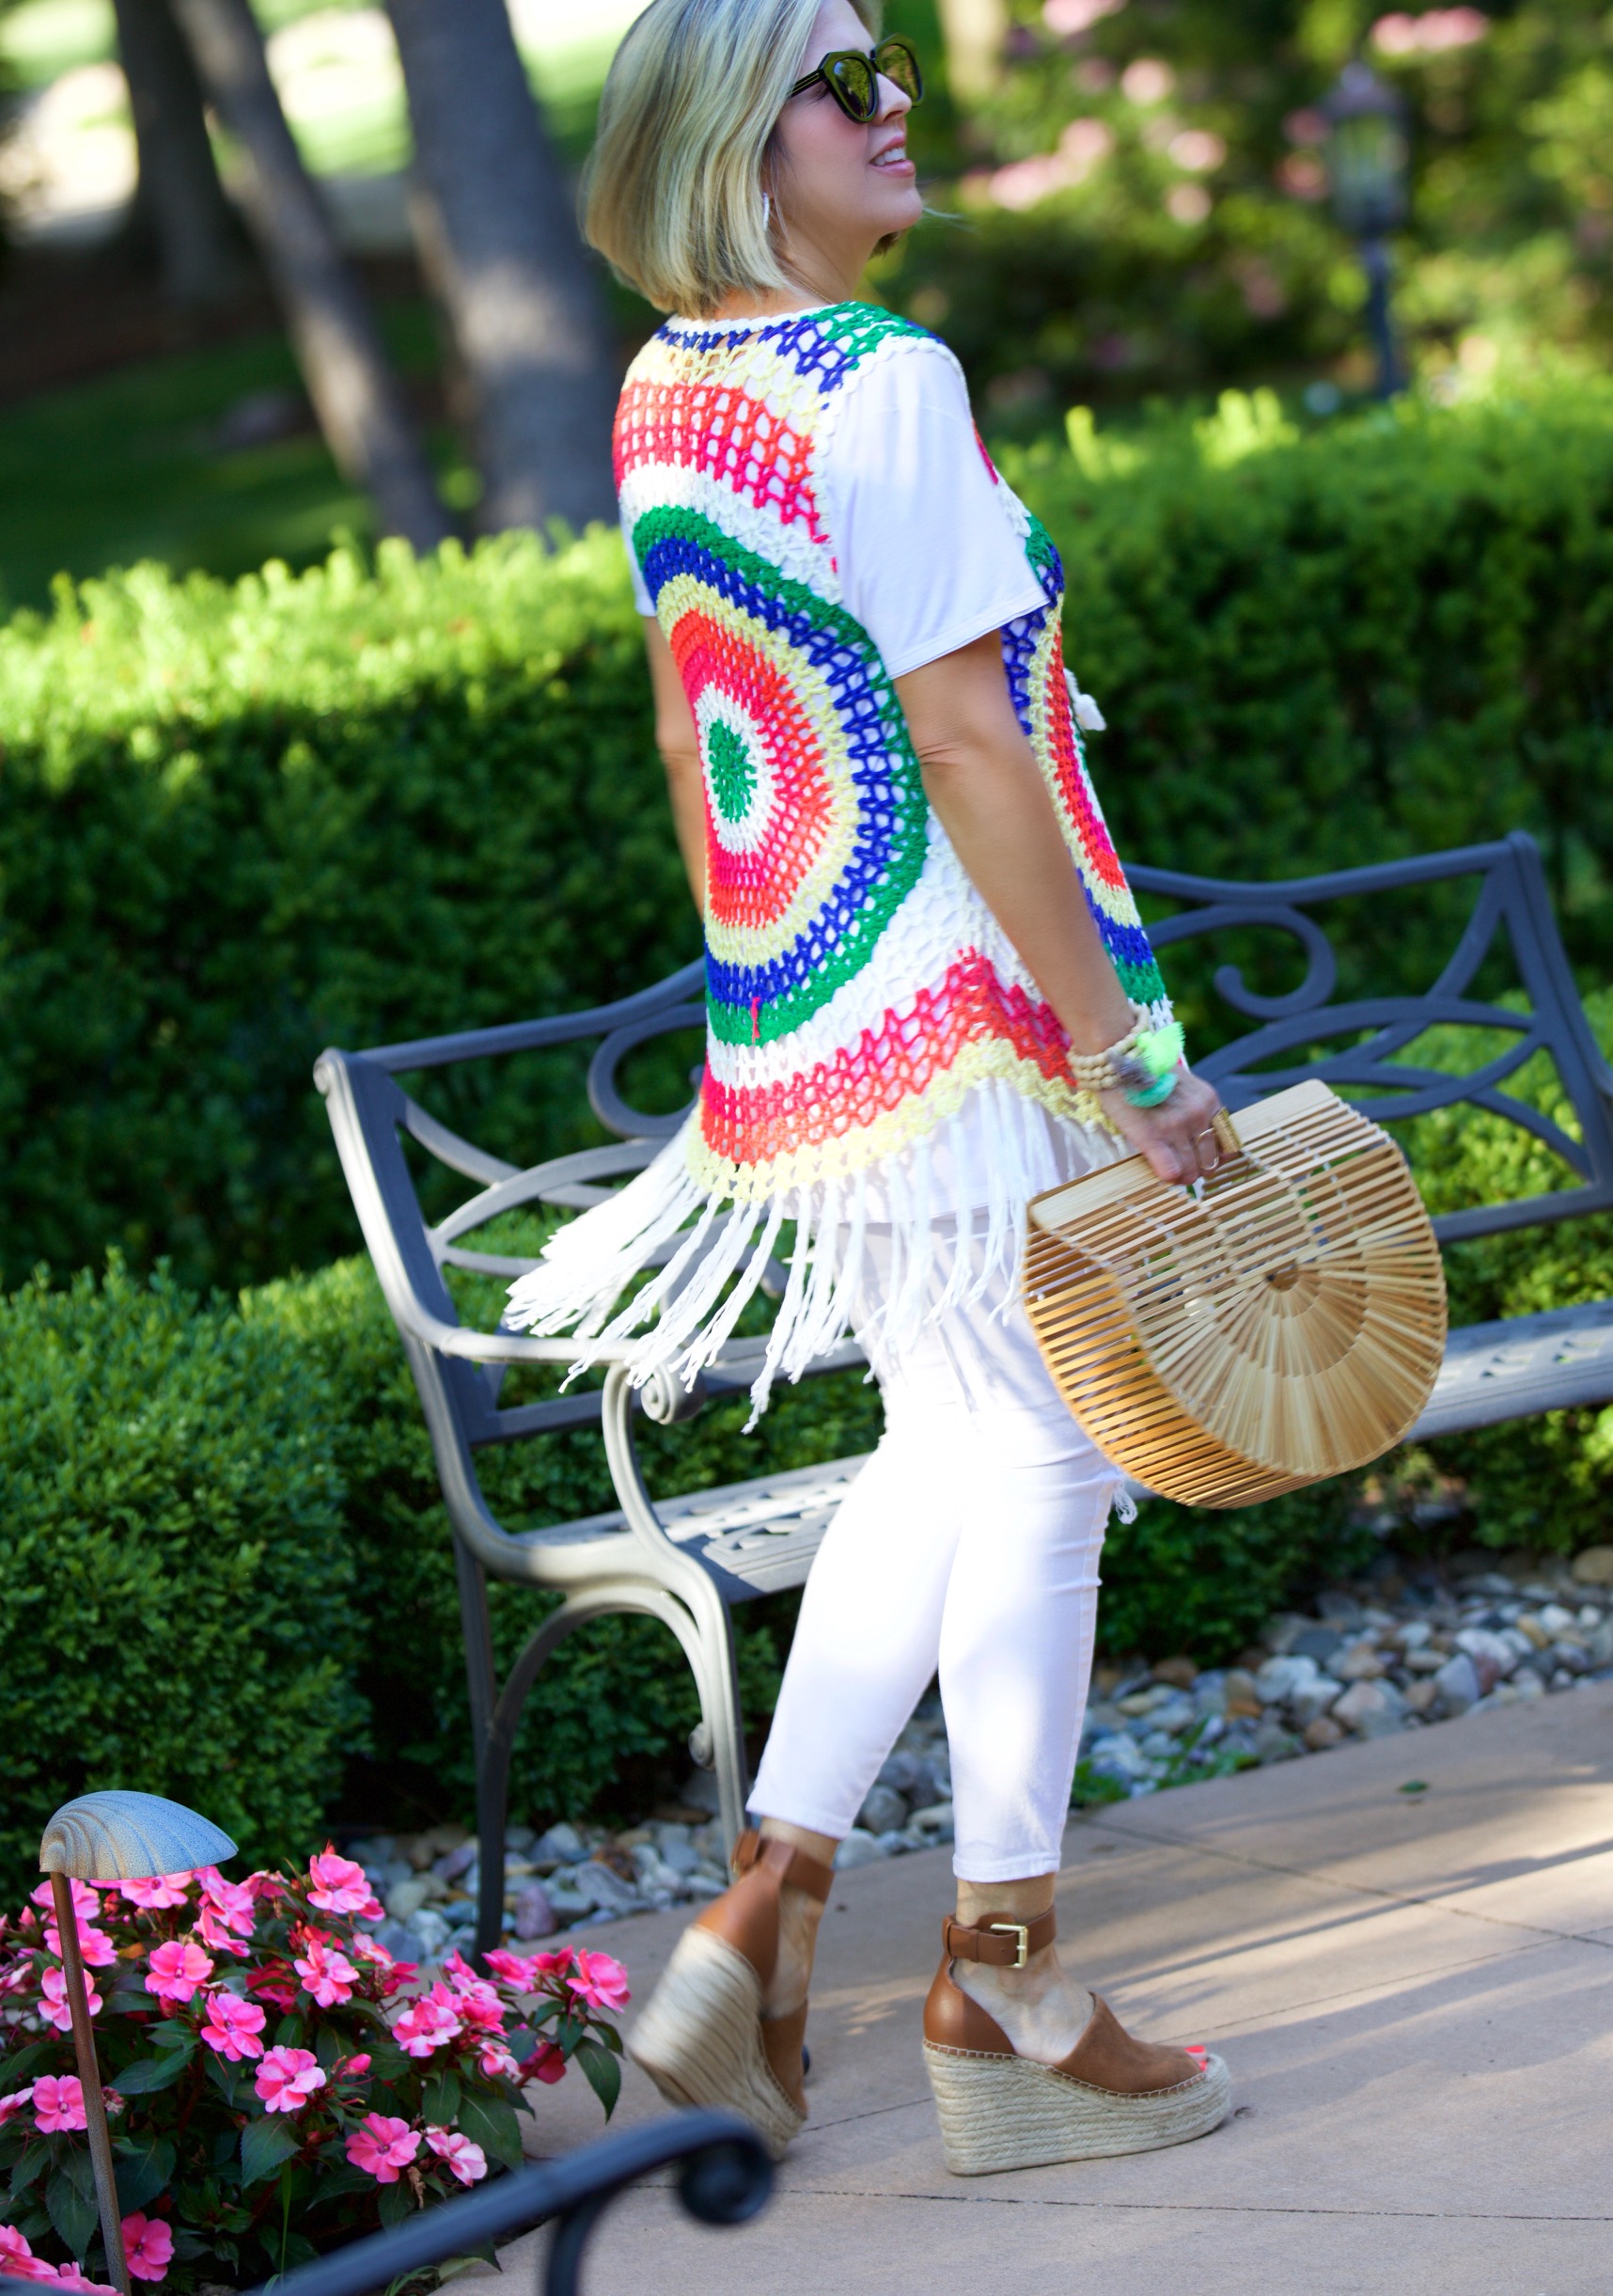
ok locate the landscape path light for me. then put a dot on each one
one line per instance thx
(103, 1839)
(1367, 168)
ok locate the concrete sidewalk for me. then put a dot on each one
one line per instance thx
(1413, 1991)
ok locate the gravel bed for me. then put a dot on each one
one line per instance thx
(1410, 1648)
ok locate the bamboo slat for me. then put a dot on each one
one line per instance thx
(1284, 1323)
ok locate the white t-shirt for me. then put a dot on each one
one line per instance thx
(927, 552)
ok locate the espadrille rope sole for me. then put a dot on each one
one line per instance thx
(1000, 2112)
(699, 2038)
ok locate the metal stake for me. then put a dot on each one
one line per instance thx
(89, 2076)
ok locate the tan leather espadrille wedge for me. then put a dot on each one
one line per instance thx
(702, 2037)
(1111, 2094)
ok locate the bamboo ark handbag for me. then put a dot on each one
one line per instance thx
(1283, 1322)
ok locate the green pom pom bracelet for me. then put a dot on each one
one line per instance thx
(1143, 1064)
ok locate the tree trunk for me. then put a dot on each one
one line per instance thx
(499, 243)
(355, 394)
(179, 205)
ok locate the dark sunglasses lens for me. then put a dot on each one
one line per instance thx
(853, 80)
(896, 60)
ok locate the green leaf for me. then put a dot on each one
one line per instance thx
(149, 2074)
(329, 2045)
(72, 2209)
(24, 2063)
(266, 2143)
(33, 2164)
(288, 2032)
(440, 2101)
(143, 2167)
(394, 2203)
(603, 2072)
(489, 2122)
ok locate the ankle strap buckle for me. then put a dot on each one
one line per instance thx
(1020, 1932)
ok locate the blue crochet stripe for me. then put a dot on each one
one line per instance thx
(829, 345)
(758, 1003)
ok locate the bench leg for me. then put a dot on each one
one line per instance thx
(706, 1642)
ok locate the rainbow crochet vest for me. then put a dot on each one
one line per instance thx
(858, 991)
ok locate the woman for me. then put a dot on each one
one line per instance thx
(929, 997)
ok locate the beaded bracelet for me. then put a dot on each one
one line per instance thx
(1142, 1064)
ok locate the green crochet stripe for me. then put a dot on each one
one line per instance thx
(879, 898)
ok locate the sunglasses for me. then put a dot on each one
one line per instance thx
(852, 79)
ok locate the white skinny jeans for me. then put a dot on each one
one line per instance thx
(967, 1547)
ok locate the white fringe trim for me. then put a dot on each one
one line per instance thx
(684, 1319)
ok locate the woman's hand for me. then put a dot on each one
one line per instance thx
(1178, 1138)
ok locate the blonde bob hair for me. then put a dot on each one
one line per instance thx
(674, 185)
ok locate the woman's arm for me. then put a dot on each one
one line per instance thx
(981, 777)
(680, 747)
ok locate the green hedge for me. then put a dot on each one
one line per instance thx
(239, 823)
(177, 1584)
(1327, 648)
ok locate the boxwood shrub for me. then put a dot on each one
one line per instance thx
(177, 1583)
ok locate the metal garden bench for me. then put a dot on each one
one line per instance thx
(687, 1560)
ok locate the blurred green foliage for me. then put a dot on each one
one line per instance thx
(1142, 203)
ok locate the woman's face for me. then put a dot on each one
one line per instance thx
(839, 185)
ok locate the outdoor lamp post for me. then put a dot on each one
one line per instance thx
(1367, 158)
(104, 1838)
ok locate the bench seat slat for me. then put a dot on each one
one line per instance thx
(1508, 1370)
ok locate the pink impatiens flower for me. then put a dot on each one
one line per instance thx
(232, 2026)
(426, 2024)
(68, 2277)
(382, 2146)
(547, 2064)
(96, 1949)
(325, 1971)
(18, 2260)
(148, 2246)
(351, 2069)
(496, 2060)
(156, 1891)
(177, 1970)
(598, 1980)
(474, 1999)
(85, 1902)
(467, 2161)
(54, 2007)
(14, 2103)
(288, 2078)
(341, 1886)
(234, 1903)
(58, 2103)
(518, 1970)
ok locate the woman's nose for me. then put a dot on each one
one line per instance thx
(894, 101)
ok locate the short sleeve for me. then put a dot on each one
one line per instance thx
(641, 597)
(925, 543)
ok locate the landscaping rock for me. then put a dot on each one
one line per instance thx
(1368, 1708)
(1457, 1684)
(860, 1847)
(883, 1812)
(1593, 1566)
(1322, 1733)
(535, 1917)
(561, 1846)
(405, 1898)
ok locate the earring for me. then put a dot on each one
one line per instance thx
(766, 210)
